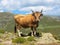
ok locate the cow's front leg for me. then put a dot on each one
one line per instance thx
(34, 31)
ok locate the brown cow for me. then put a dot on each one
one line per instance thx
(29, 20)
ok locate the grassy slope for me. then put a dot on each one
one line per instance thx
(47, 24)
(51, 25)
(5, 19)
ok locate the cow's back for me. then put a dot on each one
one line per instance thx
(19, 15)
(25, 20)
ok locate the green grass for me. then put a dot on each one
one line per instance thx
(2, 31)
(31, 38)
(56, 37)
(55, 30)
(47, 24)
(19, 40)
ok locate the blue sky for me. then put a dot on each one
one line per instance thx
(50, 7)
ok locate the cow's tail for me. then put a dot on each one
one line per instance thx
(15, 29)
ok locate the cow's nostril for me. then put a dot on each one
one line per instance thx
(37, 21)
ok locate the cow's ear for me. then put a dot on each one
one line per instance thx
(32, 11)
(41, 10)
(33, 14)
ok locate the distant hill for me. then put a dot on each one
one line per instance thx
(7, 21)
(50, 20)
(50, 24)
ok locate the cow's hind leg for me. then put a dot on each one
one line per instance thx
(15, 29)
(18, 30)
(31, 31)
(19, 34)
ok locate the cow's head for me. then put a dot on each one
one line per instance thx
(37, 15)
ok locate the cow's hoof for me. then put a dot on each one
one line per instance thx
(38, 34)
(29, 34)
(23, 35)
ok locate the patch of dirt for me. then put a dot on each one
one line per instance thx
(46, 39)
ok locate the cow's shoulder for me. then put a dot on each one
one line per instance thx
(18, 16)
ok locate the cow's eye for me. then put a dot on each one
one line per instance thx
(41, 14)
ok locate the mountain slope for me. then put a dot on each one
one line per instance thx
(47, 24)
(7, 21)
(5, 18)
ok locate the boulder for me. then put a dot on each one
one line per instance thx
(46, 39)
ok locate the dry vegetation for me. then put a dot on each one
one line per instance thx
(8, 38)
(48, 25)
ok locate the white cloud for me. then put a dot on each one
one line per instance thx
(36, 8)
(49, 1)
(10, 4)
(34, 1)
(27, 5)
(1, 10)
(16, 4)
(4, 2)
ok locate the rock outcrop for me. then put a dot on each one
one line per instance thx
(47, 38)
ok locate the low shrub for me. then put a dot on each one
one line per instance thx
(19, 40)
(30, 38)
(39, 34)
(1, 44)
(2, 31)
(57, 37)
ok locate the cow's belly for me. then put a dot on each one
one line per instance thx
(24, 26)
(27, 26)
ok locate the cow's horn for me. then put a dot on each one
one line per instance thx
(32, 10)
(41, 11)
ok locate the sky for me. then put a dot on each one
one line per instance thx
(49, 7)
